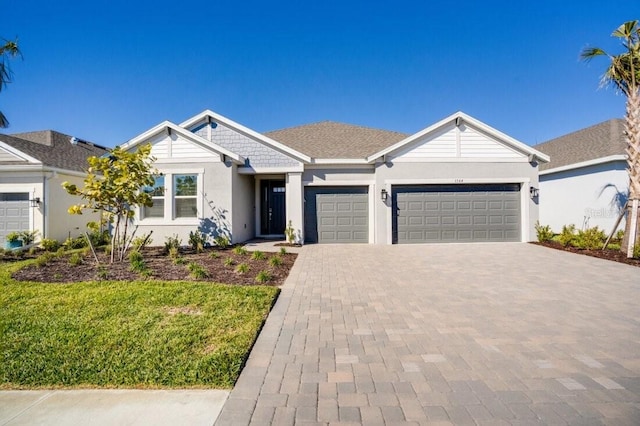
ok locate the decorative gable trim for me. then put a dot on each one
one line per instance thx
(197, 119)
(167, 126)
(19, 155)
(456, 144)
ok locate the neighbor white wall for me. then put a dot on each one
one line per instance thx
(583, 197)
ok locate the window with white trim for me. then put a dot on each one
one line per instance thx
(157, 193)
(185, 199)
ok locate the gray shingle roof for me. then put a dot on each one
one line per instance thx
(54, 149)
(601, 140)
(329, 139)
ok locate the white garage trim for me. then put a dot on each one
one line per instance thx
(524, 197)
(371, 191)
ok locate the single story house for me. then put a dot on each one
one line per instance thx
(586, 182)
(33, 166)
(458, 180)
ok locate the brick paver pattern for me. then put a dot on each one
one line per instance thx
(491, 334)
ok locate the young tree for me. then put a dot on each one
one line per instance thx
(113, 186)
(8, 49)
(624, 74)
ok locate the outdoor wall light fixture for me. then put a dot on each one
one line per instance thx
(533, 192)
(35, 202)
(384, 195)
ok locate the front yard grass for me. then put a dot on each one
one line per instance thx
(117, 334)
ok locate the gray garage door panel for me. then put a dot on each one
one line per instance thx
(14, 213)
(456, 213)
(336, 215)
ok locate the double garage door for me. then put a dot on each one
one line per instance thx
(420, 214)
(456, 213)
(14, 213)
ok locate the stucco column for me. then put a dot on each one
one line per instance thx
(295, 204)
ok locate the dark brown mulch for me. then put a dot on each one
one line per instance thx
(613, 255)
(162, 267)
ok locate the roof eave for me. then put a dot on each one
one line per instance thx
(582, 164)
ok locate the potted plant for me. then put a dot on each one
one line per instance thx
(13, 240)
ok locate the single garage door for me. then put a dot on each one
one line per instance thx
(14, 213)
(336, 215)
(456, 213)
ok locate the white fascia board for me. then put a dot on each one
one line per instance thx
(269, 170)
(247, 132)
(329, 161)
(594, 162)
(508, 140)
(187, 135)
(18, 153)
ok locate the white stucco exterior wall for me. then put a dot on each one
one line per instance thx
(585, 197)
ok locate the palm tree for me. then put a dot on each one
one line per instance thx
(8, 50)
(623, 73)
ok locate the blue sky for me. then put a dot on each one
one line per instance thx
(107, 71)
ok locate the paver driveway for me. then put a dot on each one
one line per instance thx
(449, 334)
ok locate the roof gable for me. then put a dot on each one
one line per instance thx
(603, 140)
(458, 136)
(187, 144)
(194, 124)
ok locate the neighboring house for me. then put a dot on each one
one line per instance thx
(586, 183)
(458, 180)
(33, 166)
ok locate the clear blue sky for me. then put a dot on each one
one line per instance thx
(106, 71)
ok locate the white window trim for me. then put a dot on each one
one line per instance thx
(169, 200)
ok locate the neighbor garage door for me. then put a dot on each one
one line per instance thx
(456, 213)
(14, 213)
(336, 215)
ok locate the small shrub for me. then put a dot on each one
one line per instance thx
(135, 256)
(60, 251)
(33, 251)
(28, 237)
(242, 268)
(178, 260)
(222, 241)
(75, 243)
(174, 252)
(275, 261)
(263, 277)
(619, 235)
(568, 235)
(102, 273)
(197, 240)
(290, 233)
(257, 255)
(139, 243)
(44, 259)
(75, 259)
(636, 251)
(136, 260)
(197, 271)
(240, 250)
(49, 244)
(591, 238)
(283, 251)
(99, 238)
(228, 262)
(172, 243)
(543, 233)
(214, 255)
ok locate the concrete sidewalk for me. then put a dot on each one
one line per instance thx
(111, 407)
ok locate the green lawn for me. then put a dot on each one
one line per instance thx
(146, 334)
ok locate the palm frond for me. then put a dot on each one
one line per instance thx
(4, 123)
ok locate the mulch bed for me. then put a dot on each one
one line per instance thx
(613, 255)
(162, 267)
